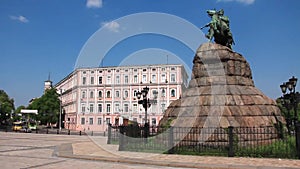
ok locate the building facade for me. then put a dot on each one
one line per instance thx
(93, 97)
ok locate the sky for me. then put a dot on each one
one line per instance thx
(38, 38)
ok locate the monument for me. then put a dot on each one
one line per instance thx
(221, 92)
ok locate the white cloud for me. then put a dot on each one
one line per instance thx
(111, 26)
(20, 18)
(94, 3)
(247, 2)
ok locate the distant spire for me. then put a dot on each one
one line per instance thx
(49, 76)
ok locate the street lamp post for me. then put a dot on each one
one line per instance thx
(146, 102)
(60, 109)
(289, 99)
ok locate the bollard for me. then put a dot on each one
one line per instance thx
(104, 134)
(109, 134)
(230, 144)
(80, 133)
(36, 131)
(47, 131)
(57, 131)
(297, 135)
(171, 141)
(68, 132)
(92, 133)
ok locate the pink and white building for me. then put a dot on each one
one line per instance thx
(93, 97)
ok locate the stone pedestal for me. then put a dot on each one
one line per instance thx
(221, 93)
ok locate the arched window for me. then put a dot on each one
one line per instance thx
(100, 94)
(83, 94)
(91, 94)
(173, 93)
(108, 94)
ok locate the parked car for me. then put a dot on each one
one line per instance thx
(25, 129)
(17, 125)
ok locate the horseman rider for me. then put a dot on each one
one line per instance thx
(212, 24)
(219, 24)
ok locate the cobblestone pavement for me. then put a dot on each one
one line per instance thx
(24, 150)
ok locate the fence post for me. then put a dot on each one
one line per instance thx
(230, 139)
(109, 134)
(121, 138)
(171, 141)
(297, 130)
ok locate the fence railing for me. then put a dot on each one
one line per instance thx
(232, 141)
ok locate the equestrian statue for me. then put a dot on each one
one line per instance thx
(219, 28)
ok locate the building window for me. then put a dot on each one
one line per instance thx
(154, 92)
(100, 94)
(91, 94)
(108, 108)
(135, 119)
(173, 68)
(126, 108)
(126, 94)
(173, 93)
(108, 80)
(126, 79)
(163, 106)
(108, 120)
(153, 121)
(163, 93)
(134, 93)
(163, 69)
(153, 79)
(83, 80)
(144, 70)
(117, 79)
(163, 78)
(99, 108)
(173, 78)
(91, 108)
(82, 120)
(91, 121)
(117, 107)
(99, 121)
(83, 108)
(135, 79)
(92, 80)
(108, 94)
(144, 78)
(117, 94)
(83, 94)
(100, 80)
(135, 107)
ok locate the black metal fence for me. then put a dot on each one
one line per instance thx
(232, 141)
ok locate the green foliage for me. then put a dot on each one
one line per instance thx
(278, 149)
(16, 116)
(6, 107)
(48, 107)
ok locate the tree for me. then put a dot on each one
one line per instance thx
(6, 107)
(287, 111)
(48, 107)
(17, 114)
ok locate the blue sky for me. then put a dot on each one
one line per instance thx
(38, 37)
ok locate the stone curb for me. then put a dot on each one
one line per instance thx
(66, 151)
